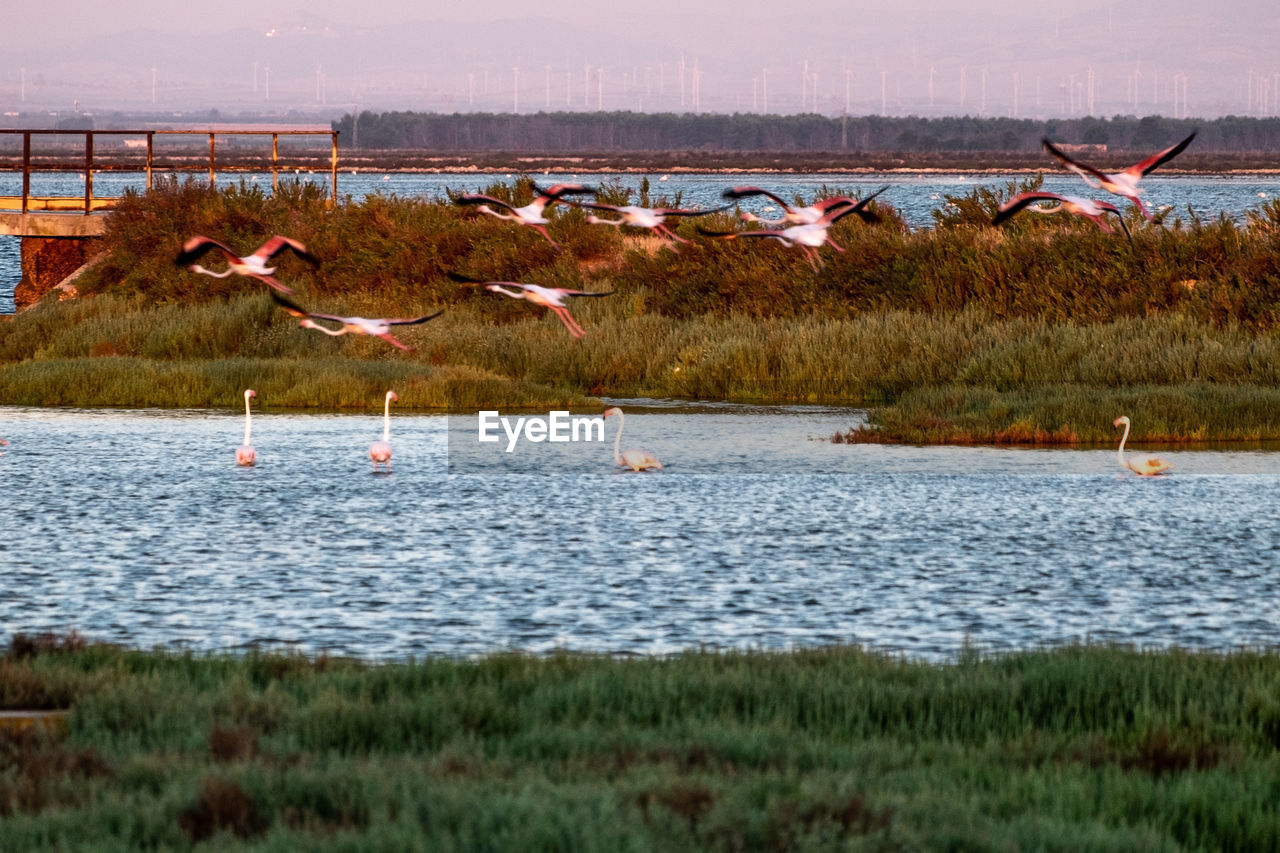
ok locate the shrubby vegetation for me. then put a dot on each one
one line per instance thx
(557, 133)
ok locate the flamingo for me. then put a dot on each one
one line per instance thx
(1123, 183)
(1149, 467)
(378, 327)
(644, 217)
(531, 214)
(636, 460)
(548, 297)
(3, 443)
(809, 237)
(380, 451)
(793, 215)
(253, 265)
(245, 454)
(1086, 207)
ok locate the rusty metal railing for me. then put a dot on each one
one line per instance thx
(90, 204)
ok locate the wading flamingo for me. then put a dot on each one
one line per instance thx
(809, 238)
(1149, 467)
(245, 454)
(636, 460)
(794, 215)
(378, 327)
(254, 265)
(1123, 183)
(380, 451)
(4, 444)
(531, 214)
(548, 297)
(644, 217)
(1086, 207)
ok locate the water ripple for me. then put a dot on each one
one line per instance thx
(137, 527)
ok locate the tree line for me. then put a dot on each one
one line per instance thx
(629, 131)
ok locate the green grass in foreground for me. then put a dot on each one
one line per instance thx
(1078, 748)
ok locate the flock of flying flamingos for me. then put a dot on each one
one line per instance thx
(804, 228)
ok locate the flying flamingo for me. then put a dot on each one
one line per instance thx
(643, 217)
(380, 451)
(245, 454)
(793, 215)
(1123, 183)
(531, 214)
(549, 297)
(809, 237)
(1086, 207)
(1149, 467)
(378, 327)
(254, 265)
(636, 460)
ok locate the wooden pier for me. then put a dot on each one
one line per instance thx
(55, 229)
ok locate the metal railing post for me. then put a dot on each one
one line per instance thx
(333, 166)
(26, 169)
(88, 172)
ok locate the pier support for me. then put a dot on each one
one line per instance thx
(47, 262)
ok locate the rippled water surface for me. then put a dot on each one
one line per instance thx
(137, 527)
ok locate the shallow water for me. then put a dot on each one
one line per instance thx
(137, 527)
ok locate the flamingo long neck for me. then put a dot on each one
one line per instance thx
(617, 443)
(200, 269)
(326, 329)
(386, 421)
(1120, 449)
(248, 420)
(514, 294)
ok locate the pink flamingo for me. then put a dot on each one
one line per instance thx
(4, 443)
(793, 215)
(380, 451)
(636, 460)
(531, 214)
(1086, 207)
(245, 454)
(254, 265)
(1149, 467)
(1123, 183)
(549, 297)
(644, 217)
(378, 327)
(809, 238)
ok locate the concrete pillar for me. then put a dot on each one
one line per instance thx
(46, 262)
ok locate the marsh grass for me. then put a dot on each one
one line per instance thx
(1082, 748)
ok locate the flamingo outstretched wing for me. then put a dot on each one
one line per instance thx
(1149, 165)
(198, 246)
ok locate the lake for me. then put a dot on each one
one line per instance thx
(137, 527)
(915, 196)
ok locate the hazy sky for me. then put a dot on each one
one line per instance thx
(1030, 58)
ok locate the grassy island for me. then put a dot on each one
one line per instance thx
(1040, 331)
(1085, 748)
